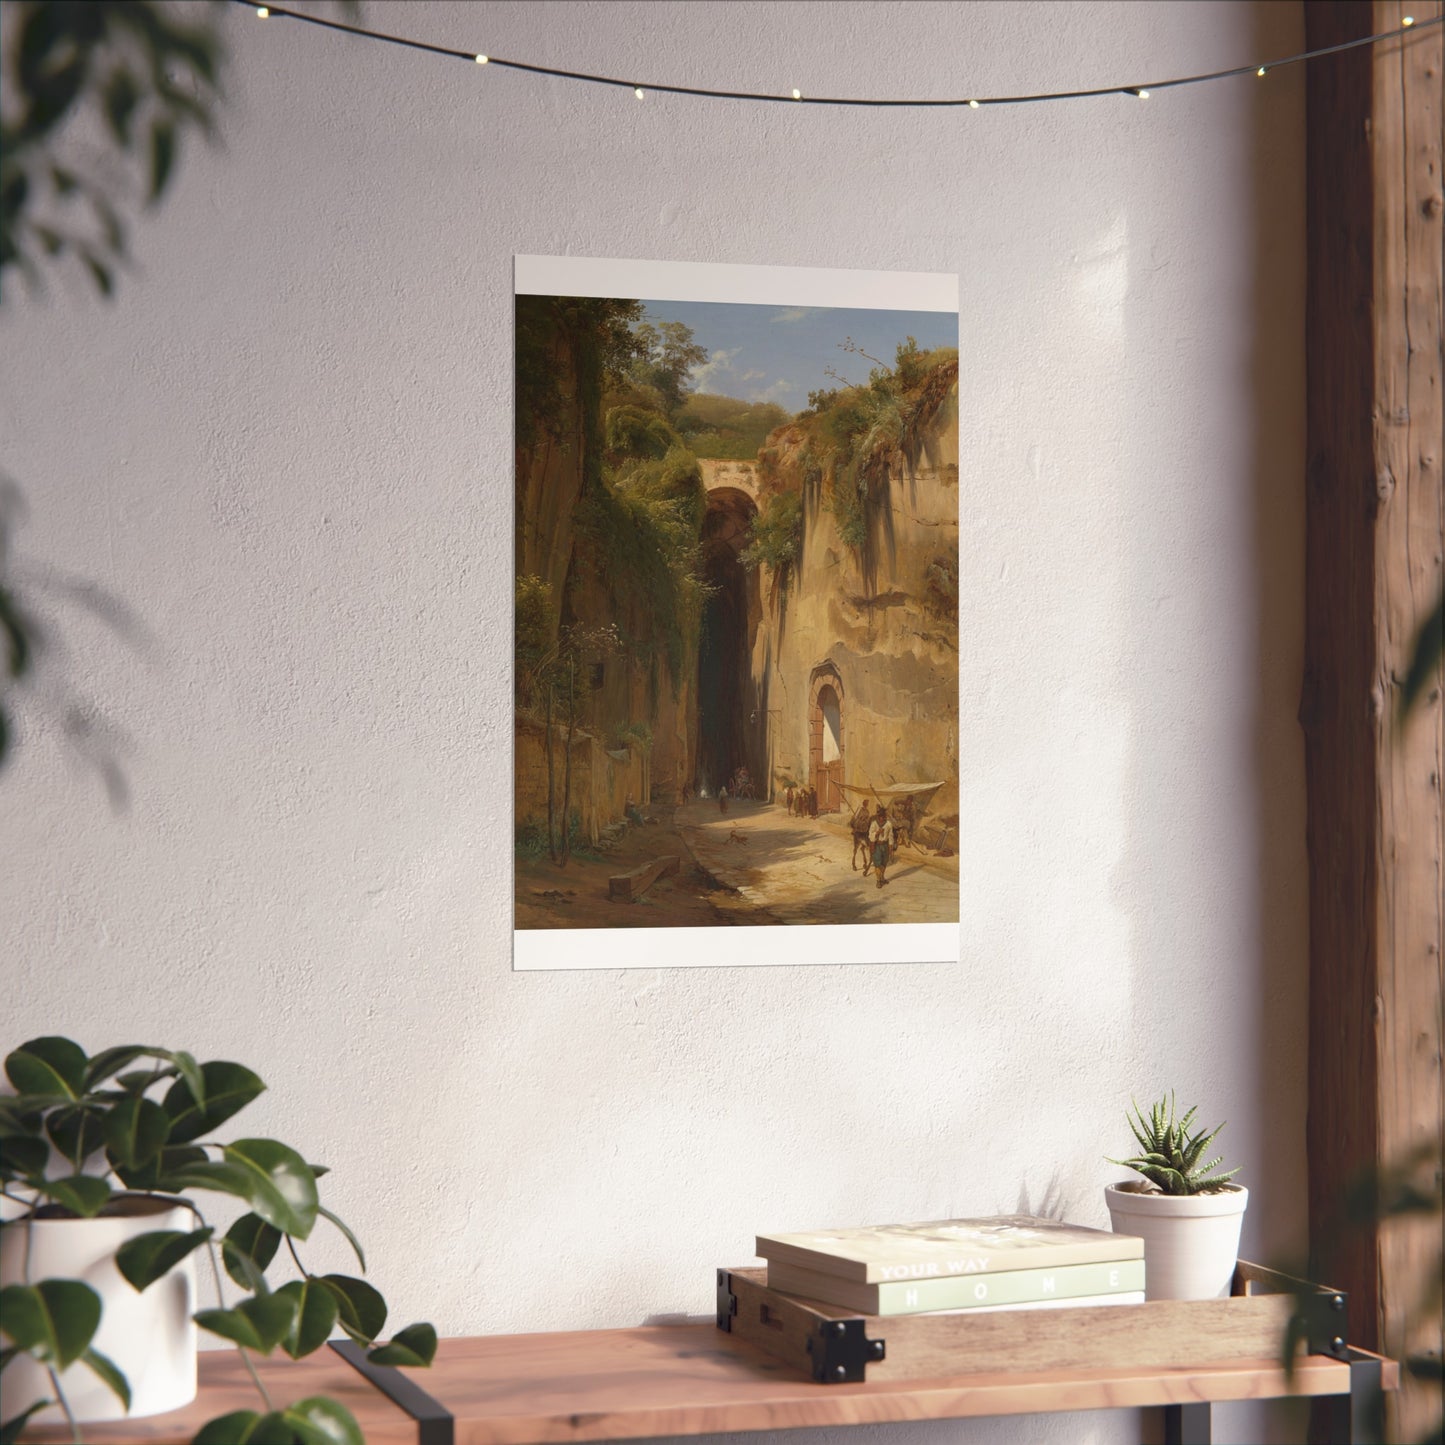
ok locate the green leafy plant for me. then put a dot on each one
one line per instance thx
(1171, 1154)
(83, 1134)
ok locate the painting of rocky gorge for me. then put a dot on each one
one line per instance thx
(736, 644)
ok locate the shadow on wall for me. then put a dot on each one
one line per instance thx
(1250, 1046)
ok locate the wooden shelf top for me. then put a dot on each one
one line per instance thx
(689, 1379)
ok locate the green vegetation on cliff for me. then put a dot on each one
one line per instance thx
(726, 428)
(641, 502)
(777, 533)
(566, 339)
(841, 451)
(857, 432)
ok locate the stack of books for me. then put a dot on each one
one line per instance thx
(1010, 1261)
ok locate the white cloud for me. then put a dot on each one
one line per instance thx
(794, 313)
(780, 391)
(719, 363)
(752, 376)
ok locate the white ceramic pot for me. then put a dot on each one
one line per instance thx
(149, 1336)
(1191, 1241)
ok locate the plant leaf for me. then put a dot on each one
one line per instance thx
(50, 1065)
(82, 1193)
(11, 1430)
(319, 1421)
(316, 1311)
(76, 1130)
(193, 1074)
(112, 1061)
(415, 1345)
(248, 1248)
(351, 1239)
(19, 1117)
(361, 1309)
(136, 1131)
(245, 1427)
(232, 1429)
(106, 1369)
(259, 1323)
(149, 1257)
(20, 1157)
(227, 1089)
(137, 1081)
(282, 1187)
(223, 1178)
(156, 1173)
(54, 1320)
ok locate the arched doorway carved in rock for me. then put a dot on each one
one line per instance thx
(825, 737)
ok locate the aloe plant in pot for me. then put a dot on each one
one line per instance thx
(102, 1231)
(1187, 1212)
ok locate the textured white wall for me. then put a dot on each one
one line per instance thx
(286, 448)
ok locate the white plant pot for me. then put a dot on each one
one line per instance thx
(1191, 1241)
(149, 1336)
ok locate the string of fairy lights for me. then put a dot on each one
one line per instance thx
(641, 89)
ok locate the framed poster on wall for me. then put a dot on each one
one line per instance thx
(736, 615)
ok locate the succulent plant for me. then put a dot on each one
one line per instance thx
(1170, 1154)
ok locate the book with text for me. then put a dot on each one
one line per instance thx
(961, 1292)
(888, 1252)
(1088, 1301)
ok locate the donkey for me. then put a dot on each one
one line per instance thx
(858, 826)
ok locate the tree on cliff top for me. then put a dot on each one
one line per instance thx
(666, 356)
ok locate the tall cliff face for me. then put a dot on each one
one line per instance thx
(857, 654)
(549, 472)
(605, 530)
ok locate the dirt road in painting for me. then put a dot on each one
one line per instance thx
(756, 865)
(798, 870)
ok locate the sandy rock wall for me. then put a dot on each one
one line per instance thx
(888, 644)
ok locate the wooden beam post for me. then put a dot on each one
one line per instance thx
(1374, 545)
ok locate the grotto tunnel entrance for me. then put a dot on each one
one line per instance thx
(725, 694)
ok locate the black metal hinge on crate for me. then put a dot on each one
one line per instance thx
(841, 1352)
(727, 1301)
(1327, 1323)
(1321, 1315)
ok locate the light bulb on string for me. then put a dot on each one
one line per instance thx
(1139, 92)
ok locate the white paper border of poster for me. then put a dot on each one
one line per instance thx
(739, 947)
(536, 949)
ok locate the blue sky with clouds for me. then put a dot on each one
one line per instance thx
(780, 353)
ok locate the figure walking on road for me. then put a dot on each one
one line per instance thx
(880, 838)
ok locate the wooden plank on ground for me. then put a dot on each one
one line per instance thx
(629, 887)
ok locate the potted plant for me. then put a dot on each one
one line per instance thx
(102, 1230)
(1187, 1213)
